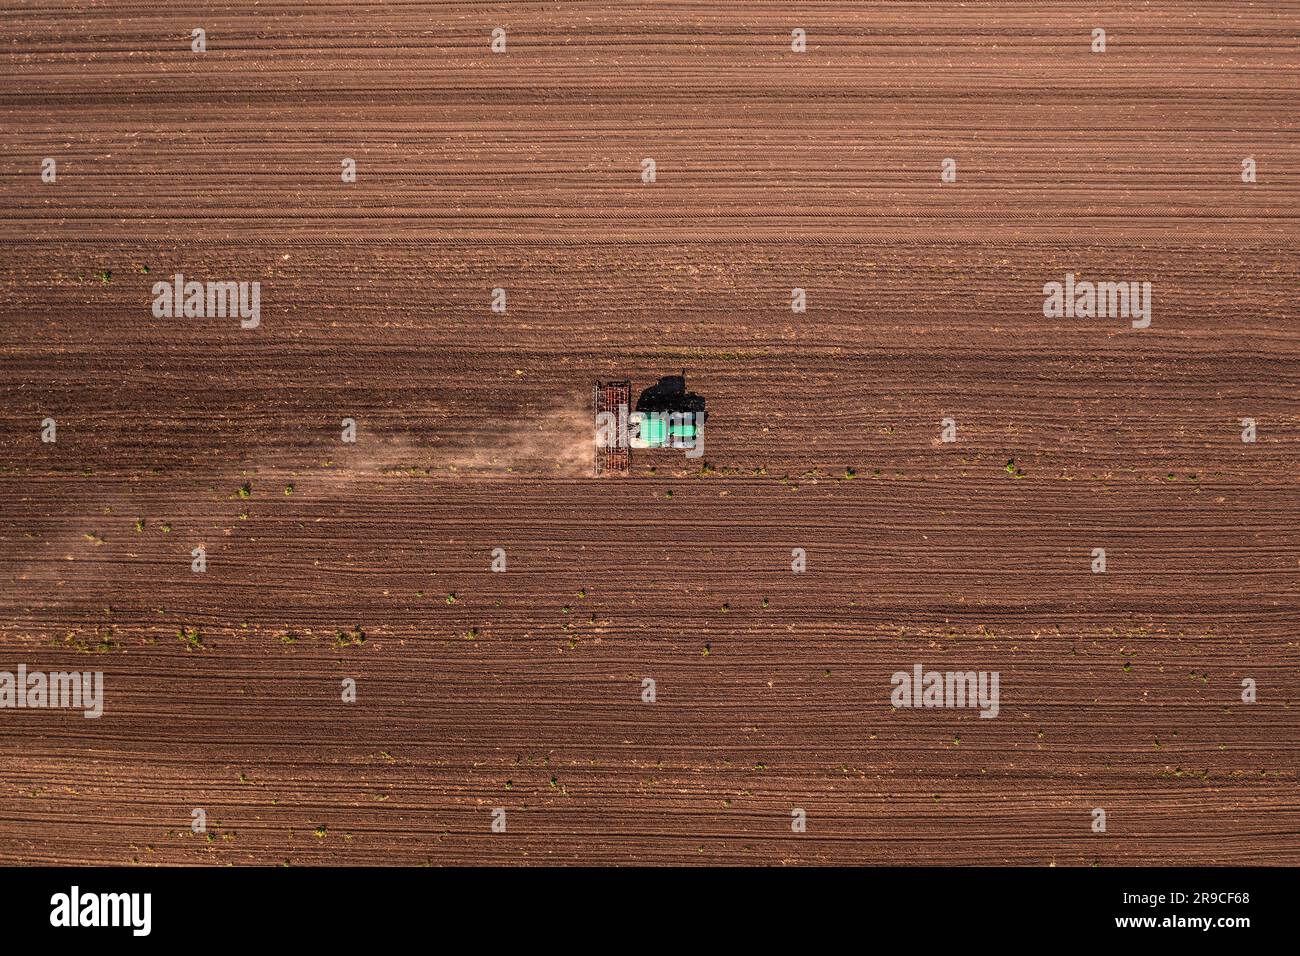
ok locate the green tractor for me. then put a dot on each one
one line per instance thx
(666, 416)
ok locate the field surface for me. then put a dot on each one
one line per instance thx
(371, 561)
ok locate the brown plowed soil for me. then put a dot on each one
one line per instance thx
(522, 690)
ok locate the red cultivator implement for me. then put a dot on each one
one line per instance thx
(612, 457)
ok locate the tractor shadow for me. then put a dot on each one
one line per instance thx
(669, 395)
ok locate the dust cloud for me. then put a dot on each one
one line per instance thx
(559, 443)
